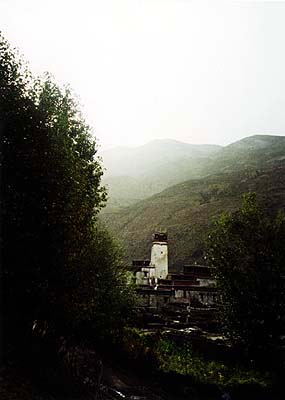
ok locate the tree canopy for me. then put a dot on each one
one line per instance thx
(247, 250)
(55, 257)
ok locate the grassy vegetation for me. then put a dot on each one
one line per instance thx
(182, 360)
(166, 356)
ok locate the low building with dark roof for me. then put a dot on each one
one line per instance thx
(195, 285)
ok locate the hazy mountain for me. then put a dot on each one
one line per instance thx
(187, 210)
(144, 160)
(256, 151)
(136, 173)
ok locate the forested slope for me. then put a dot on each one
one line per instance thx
(187, 211)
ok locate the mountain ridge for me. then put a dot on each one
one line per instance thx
(187, 209)
(143, 173)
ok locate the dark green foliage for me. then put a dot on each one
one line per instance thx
(103, 300)
(54, 259)
(165, 356)
(247, 250)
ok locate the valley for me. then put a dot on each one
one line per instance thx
(187, 210)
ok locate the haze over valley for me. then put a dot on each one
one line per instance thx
(182, 188)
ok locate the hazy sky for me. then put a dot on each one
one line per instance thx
(196, 71)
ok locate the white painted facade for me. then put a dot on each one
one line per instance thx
(159, 258)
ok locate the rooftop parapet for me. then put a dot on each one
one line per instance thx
(159, 237)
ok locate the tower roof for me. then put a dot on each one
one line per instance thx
(159, 237)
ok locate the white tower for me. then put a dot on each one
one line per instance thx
(159, 255)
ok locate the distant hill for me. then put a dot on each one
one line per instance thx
(187, 209)
(133, 174)
(258, 151)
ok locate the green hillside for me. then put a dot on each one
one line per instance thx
(258, 151)
(136, 174)
(187, 210)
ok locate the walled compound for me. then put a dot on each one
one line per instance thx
(182, 293)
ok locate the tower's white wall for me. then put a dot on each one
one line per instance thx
(159, 259)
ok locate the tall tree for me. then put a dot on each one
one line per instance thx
(247, 250)
(51, 193)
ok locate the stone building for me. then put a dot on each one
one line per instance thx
(148, 272)
(159, 255)
(194, 286)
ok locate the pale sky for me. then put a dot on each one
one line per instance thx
(195, 71)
